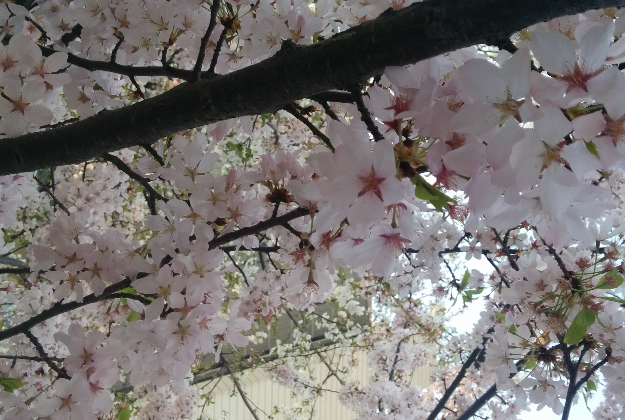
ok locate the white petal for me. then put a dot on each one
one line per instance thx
(516, 71)
(594, 46)
(56, 62)
(554, 51)
(14, 124)
(482, 79)
(384, 159)
(553, 126)
(38, 115)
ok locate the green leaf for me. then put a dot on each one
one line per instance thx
(468, 294)
(592, 148)
(129, 290)
(591, 386)
(465, 279)
(575, 334)
(577, 330)
(501, 316)
(610, 280)
(124, 414)
(133, 316)
(11, 384)
(585, 318)
(425, 191)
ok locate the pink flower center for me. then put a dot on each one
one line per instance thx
(394, 241)
(371, 184)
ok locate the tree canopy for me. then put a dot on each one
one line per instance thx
(178, 177)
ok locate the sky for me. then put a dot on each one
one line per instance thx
(464, 324)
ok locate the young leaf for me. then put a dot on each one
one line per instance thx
(124, 414)
(591, 386)
(575, 334)
(11, 384)
(577, 330)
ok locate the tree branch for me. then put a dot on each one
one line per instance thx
(396, 38)
(61, 372)
(197, 70)
(238, 386)
(15, 270)
(121, 165)
(259, 227)
(473, 357)
(60, 308)
(51, 194)
(293, 111)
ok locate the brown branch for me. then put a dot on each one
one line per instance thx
(51, 194)
(293, 111)
(238, 386)
(506, 250)
(259, 227)
(473, 357)
(71, 35)
(197, 69)
(220, 43)
(112, 67)
(122, 166)
(116, 48)
(148, 148)
(60, 308)
(32, 358)
(110, 292)
(136, 85)
(59, 371)
(396, 38)
(365, 115)
(15, 270)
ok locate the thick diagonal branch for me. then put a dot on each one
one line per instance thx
(395, 38)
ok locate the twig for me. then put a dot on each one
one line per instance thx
(238, 386)
(197, 69)
(259, 227)
(60, 308)
(33, 358)
(108, 66)
(328, 110)
(323, 360)
(136, 85)
(61, 372)
(475, 354)
(121, 165)
(52, 196)
(504, 247)
(293, 111)
(366, 115)
(116, 48)
(220, 43)
(164, 62)
(148, 148)
(238, 268)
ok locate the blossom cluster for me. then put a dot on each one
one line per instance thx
(143, 262)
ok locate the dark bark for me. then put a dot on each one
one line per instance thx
(395, 38)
